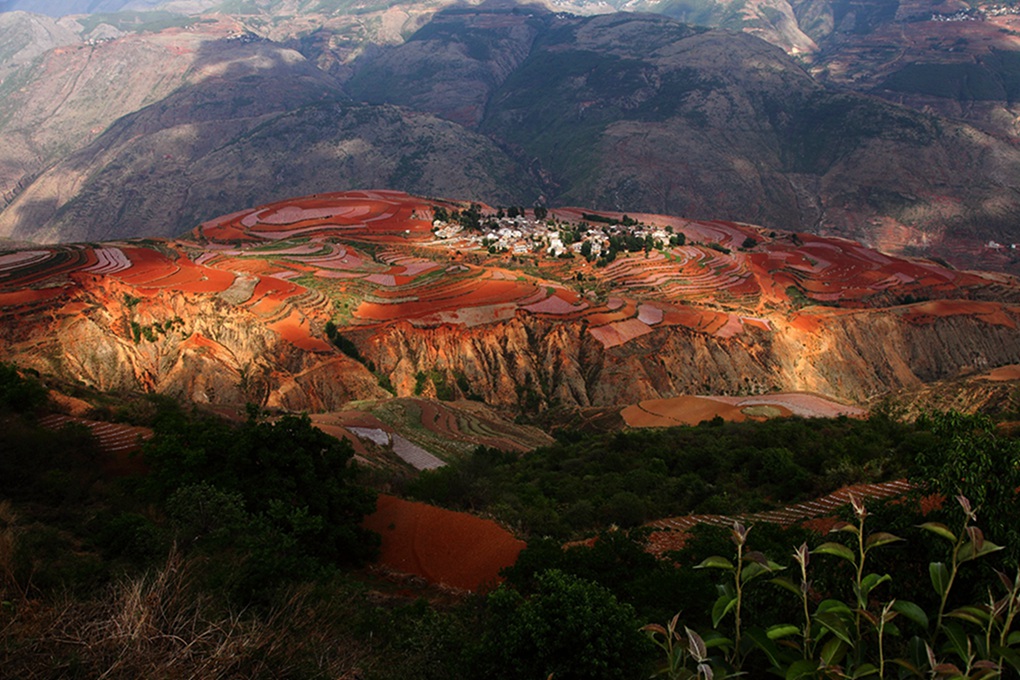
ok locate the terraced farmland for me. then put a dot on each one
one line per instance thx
(393, 279)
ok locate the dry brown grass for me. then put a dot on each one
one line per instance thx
(154, 626)
(8, 540)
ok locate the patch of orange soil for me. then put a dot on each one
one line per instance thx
(989, 312)
(806, 322)
(445, 547)
(685, 410)
(294, 329)
(691, 410)
(27, 296)
(383, 215)
(1004, 373)
(475, 293)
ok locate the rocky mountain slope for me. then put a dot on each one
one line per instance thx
(310, 303)
(640, 112)
(189, 117)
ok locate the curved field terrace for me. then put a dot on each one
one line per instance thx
(371, 261)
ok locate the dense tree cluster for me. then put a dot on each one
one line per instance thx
(584, 482)
(240, 537)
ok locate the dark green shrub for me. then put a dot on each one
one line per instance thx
(570, 628)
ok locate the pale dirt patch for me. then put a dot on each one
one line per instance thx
(614, 334)
(555, 305)
(804, 404)
(649, 315)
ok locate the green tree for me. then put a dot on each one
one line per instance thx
(290, 475)
(973, 459)
(17, 393)
(569, 628)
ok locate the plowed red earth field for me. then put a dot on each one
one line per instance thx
(445, 547)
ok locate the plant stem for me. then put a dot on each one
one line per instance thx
(736, 610)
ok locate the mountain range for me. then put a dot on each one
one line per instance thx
(127, 123)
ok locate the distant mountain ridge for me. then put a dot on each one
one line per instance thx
(59, 8)
(165, 120)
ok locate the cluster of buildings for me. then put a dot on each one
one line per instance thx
(977, 14)
(522, 235)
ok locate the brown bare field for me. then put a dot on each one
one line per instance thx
(1004, 373)
(691, 410)
(989, 312)
(448, 548)
(679, 411)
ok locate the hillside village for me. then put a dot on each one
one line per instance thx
(597, 238)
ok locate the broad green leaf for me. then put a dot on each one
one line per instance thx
(763, 642)
(975, 615)
(880, 538)
(940, 529)
(1013, 638)
(713, 639)
(957, 640)
(804, 668)
(967, 551)
(833, 651)
(786, 583)
(781, 630)
(912, 612)
(753, 571)
(1011, 656)
(845, 526)
(939, 577)
(870, 581)
(831, 621)
(833, 606)
(715, 562)
(864, 670)
(722, 607)
(837, 549)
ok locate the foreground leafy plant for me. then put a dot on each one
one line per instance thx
(853, 638)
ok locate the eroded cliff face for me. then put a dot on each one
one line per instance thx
(850, 356)
(196, 348)
(239, 312)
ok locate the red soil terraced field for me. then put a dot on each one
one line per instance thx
(117, 440)
(832, 270)
(36, 279)
(445, 295)
(670, 534)
(366, 260)
(454, 549)
(989, 312)
(377, 215)
(691, 410)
